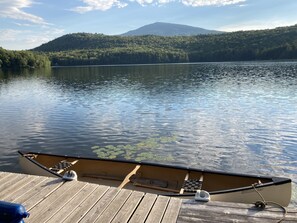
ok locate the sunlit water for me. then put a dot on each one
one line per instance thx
(238, 117)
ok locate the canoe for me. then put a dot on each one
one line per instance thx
(160, 179)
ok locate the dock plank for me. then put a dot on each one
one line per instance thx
(101, 205)
(14, 186)
(172, 210)
(39, 193)
(7, 182)
(35, 180)
(47, 208)
(143, 209)
(114, 206)
(128, 208)
(158, 210)
(35, 189)
(192, 211)
(80, 212)
(4, 174)
(66, 210)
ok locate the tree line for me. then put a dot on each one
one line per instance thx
(127, 55)
(22, 59)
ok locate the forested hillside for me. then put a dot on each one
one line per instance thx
(85, 48)
(22, 59)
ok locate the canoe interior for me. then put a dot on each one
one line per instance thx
(148, 178)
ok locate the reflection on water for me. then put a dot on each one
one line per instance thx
(239, 117)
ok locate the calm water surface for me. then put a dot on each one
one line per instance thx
(239, 117)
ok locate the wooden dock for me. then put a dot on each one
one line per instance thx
(55, 200)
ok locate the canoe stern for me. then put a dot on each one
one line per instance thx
(29, 166)
(278, 193)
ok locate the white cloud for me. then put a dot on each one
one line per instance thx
(144, 2)
(256, 25)
(165, 1)
(23, 24)
(27, 39)
(197, 3)
(103, 5)
(13, 9)
(42, 37)
(193, 3)
(9, 34)
(152, 2)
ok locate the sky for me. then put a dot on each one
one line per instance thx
(25, 24)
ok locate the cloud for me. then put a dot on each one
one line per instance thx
(144, 2)
(23, 24)
(152, 2)
(13, 9)
(38, 38)
(197, 3)
(27, 39)
(9, 34)
(103, 5)
(256, 25)
(192, 3)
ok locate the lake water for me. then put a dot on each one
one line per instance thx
(238, 117)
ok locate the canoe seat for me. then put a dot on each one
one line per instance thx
(192, 185)
(150, 182)
(155, 184)
(62, 166)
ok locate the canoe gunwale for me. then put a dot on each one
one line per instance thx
(274, 181)
(239, 189)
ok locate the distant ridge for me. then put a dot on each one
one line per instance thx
(169, 29)
(99, 49)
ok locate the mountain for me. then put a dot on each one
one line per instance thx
(95, 49)
(169, 29)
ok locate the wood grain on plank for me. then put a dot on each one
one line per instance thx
(34, 180)
(158, 210)
(113, 208)
(38, 190)
(143, 209)
(172, 210)
(227, 212)
(128, 208)
(67, 210)
(60, 197)
(83, 209)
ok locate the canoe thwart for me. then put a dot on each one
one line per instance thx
(186, 178)
(127, 178)
(62, 166)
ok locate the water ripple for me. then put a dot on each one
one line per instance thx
(239, 117)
